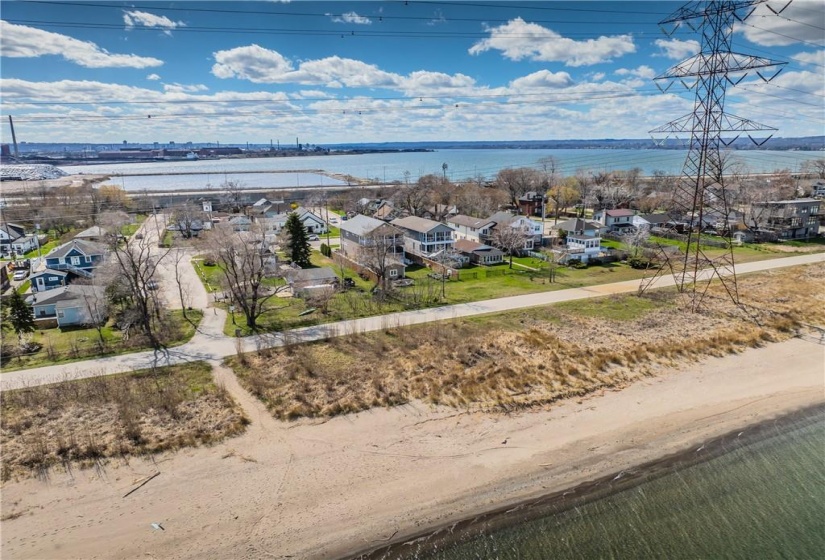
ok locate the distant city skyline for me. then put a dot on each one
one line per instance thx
(350, 72)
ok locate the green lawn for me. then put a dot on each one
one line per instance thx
(79, 343)
(44, 249)
(24, 287)
(130, 229)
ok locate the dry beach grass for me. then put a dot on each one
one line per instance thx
(528, 358)
(85, 421)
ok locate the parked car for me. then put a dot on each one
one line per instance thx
(313, 237)
(138, 236)
(333, 220)
(152, 285)
(20, 274)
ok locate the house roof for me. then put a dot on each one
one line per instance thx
(657, 218)
(304, 213)
(323, 274)
(468, 246)
(469, 221)
(619, 213)
(361, 225)
(86, 247)
(49, 272)
(503, 218)
(94, 231)
(13, 230)
(414, 223)
(579, 224)
(67, 293)
(261, 202)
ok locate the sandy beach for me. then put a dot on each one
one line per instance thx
(331, 489)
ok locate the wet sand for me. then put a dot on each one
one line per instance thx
(354, 483)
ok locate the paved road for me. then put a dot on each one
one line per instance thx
(210, 343)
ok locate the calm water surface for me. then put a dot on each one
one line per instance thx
(461, 164)
(761, 500)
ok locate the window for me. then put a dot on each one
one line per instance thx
(53, 278)
(60, 314)
(88, 259)
(75, 260)
(393, 273)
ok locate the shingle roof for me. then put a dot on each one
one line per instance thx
(619, 213)
(361, 225)
(414, 223)
(579, 224)
(86, 247)
(74, 291)
(468, 246)
(94, 231)
(311, 274)
(469, 221)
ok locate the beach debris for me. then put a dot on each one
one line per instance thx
(139, 486)
(701, 448)
(157, 526)
(505, 441)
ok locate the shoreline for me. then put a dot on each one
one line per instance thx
(338, 487)
(509, 515)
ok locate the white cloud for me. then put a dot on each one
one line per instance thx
(137, 18)
(253, 63)
(816, 58)
(518, 40)
(800, 22)
(20, 41)
(182, 88)
(598, 76)
(351, 17)
(543, 79)
(677, 49)
(153, 77)
(640, 72)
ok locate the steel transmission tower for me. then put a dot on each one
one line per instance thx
(699, 194)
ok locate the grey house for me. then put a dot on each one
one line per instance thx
(423, 237)
(71, 305)
(788, 219)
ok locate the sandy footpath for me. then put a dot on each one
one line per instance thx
(325, 489)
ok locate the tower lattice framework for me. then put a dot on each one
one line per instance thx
(699, 194)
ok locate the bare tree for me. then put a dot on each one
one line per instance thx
(415, 197)
(186, 218)
(518, 181)
(179, 259)
(510, 239)
(242, 259)
(636, 238)
(135, 262)
(382, 249)
(815, 167)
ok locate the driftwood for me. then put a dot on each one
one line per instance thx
(139, 486)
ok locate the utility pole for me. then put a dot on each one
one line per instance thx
(700, 191)
(13, 138)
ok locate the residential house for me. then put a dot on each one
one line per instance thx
(532, 203)
(48, 279)
(309, 280)
(440, 212)
(371, 243)
(818, 189)
(425, 238)
(473, 229)
(532, 229)
(94, 233)
(581, 227)
(789, 219)
(615, 220)
(478, 253)
(240, 223)
(582, 248)
(77, 256)
(276, 222)
(71, 305)
(656, 220)
(13, 239)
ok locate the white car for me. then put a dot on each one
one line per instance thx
(333, 220)
(313, 237)
(20, 274)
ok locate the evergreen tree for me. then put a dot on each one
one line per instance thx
(298, 249)
(19, 315)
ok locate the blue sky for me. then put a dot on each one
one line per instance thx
(327, 72)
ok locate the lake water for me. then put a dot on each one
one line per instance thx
(761, 499)
(461, 164)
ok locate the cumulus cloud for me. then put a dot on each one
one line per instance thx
(253, 63)
(816, 58)
(137, 18)
(153, 77)
(543, 79)
(640, 72)
(518, 40)
(800, 22)
(351, 17)
(21, 41)
(677, 49)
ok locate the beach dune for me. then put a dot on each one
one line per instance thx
(329, 489)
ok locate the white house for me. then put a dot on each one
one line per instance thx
(13, 238)
(615, 220)
(531, 228)
(470, 228)
(311, 221)
(423, 237)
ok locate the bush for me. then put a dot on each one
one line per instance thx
(640, 263)
(326, 250)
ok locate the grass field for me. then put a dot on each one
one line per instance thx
(88, 421)
(79, 343)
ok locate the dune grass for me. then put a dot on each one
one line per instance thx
(83, 422)
(527, 358)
